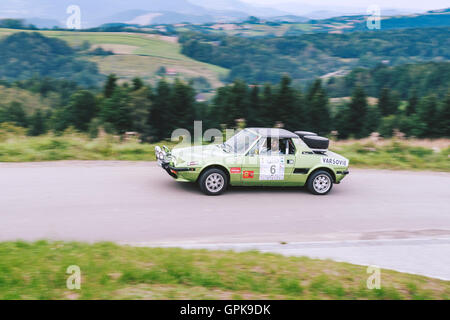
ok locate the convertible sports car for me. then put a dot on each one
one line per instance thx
(258, 157)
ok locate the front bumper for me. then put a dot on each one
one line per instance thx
(173, 171)
(340, 175)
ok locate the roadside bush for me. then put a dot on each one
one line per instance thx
(8, 130)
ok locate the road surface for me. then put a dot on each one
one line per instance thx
(138, 203)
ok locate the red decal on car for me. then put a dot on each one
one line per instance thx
(235, 170)
(249, 174)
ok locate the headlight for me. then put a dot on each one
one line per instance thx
(158, 152)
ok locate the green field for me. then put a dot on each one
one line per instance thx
(138, 55)
(108, 271)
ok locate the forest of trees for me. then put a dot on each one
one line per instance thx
(423, 78)
(312, 55)
(155, 112)
(24, 55)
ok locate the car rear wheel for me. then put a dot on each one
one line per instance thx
(213, 182)
(320, 183)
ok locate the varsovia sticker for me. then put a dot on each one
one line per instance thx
(335, 162)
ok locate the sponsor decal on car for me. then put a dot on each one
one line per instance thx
(249, 174)
(235, 170)
(335, 162)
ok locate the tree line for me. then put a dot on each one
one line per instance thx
(424, 78)
(154, 112)
(16, 24)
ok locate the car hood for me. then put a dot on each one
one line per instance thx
(196, 154)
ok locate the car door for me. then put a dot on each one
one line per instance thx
(250, 165)
(266, 165)
(288, 147)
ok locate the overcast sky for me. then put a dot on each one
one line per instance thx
(406, 4)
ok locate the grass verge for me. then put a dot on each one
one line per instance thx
(395, 155)
(16, 147)
(108, 271)
(72, 146)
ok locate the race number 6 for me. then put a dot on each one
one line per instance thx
(273, 170)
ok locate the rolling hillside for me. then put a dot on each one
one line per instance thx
(138, 55)
(316, 55)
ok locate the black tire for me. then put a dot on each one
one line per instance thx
(318, 180)
(315, 142)
(207, 184)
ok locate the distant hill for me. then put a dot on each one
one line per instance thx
(283, 25)
(417, 21)
(135, 55)
(288, 18)
(48, 13)
(239, 6)
(313, 55)
(25, 55)
(336, 24)
(44, 23)
(446, 10)
(145, 18)
(359, 23)
(98, 12)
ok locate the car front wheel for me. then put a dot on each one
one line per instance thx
(213, 182)
(320, 183)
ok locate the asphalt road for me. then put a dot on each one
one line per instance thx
(138, 203)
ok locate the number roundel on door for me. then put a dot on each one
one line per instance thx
(271, 168)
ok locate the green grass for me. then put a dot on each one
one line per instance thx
(148, 53)
(108, 271)
(73, 146)
(395, 155)
(16, 147)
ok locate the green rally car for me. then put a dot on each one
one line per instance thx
(258, 157)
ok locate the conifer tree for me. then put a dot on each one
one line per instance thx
(357, 113)
(110, 86)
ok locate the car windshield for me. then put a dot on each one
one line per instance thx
(241, 142)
